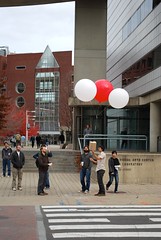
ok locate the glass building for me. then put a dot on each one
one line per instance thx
(47, 78)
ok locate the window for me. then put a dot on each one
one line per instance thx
(20, 87)
(148, 63)
(20, 102)
(20, 67)
(140, 14)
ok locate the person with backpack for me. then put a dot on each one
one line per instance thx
(42, 162)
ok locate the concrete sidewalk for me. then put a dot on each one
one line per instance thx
(64, 191)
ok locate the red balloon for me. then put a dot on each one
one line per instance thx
(104, 87)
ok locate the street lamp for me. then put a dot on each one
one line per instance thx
(27, 124)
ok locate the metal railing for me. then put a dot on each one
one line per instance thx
(111, 137)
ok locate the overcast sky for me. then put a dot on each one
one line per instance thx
(32, 28)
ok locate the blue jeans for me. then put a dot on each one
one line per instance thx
(85, 173)
(111, 177)
(6, 163)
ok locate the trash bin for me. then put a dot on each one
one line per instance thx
(159, 144)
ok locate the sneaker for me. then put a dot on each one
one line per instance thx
(86, 191)
(97, 194)
(81, 191)
(100, 194)
(14, 189)
(41, 194)
(45, 193)
(20, 188)
(106, 188)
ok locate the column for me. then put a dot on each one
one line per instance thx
(155, 125)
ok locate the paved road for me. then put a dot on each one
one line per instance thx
(102, 222)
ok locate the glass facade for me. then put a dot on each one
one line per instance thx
(47, 101)
(47, 93)
(140, 14)
(135, 120)
(145, 65)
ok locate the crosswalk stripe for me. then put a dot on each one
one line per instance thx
(102, 210)
(106, 234)
(52, 215)
(105, 226)
(102, 206)
(155, 219)
(73, 220)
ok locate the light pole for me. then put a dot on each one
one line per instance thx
(27, 124)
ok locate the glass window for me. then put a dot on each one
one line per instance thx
(20, 67)
(20, 87)
(137, 18)
(20, 102)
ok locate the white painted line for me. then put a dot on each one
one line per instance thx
(52, 215)
(106, 234)
(105, 226)
(103, 220)
(102, 206)
(155, 219)
(102, 210)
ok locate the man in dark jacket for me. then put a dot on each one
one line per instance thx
(36, 156)
(18, 161)
(6, 159)
(113, 165)
(43, 165)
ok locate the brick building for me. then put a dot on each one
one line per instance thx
(39, 85)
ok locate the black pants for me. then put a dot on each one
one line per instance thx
(100, 174)
(41, 182)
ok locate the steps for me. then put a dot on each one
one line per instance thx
(63, 161)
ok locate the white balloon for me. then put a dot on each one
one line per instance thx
(118, 98)
(85, 90)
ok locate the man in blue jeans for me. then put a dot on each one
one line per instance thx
(113, 165)
(85, 173)
(6, 159)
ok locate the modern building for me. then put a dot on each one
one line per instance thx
(39, 84)
(134, 63)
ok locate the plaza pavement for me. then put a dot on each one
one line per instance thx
(64, 190)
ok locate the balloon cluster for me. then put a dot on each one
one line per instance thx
(102, 90)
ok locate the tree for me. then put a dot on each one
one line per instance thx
(4, 99)
(4, 105)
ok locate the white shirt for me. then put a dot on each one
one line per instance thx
(101, 162)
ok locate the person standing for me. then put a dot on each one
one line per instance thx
(38, 140)
(85, 173)
(43, 165)
(36, 156)
(18, 161)
(6, 159)
(32, 139)
(87, 130)
(113, 165)
(100, 169)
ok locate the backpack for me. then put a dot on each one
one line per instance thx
(37, 163)
(36, 156)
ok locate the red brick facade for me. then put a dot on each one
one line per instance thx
(26, 73)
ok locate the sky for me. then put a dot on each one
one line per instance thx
(30, 29)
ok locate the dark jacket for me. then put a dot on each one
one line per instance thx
(18, 161)
(6, 153)
(112, 162)
(43, 162)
